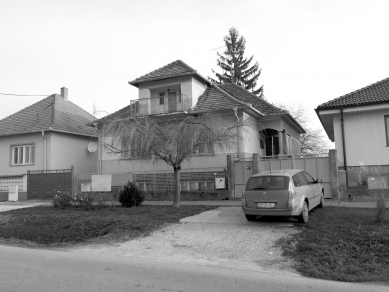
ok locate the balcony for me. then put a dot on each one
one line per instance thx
(162, 104)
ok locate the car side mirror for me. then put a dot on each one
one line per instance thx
(318, 180)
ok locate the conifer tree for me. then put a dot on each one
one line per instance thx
(236, 68)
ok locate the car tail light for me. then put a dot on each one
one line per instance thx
(292, 193)
(243, 198)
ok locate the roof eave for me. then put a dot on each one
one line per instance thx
(291, 118)
(48, 130)
(194, 73)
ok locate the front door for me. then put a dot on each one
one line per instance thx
(172, 102)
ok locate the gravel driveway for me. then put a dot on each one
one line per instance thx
(242, 245)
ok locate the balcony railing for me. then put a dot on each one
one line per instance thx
(161, 104)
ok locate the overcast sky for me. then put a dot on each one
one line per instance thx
(309, 51)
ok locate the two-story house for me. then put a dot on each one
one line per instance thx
(176, 90)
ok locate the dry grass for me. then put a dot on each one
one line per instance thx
(343, 244)
(57, 227)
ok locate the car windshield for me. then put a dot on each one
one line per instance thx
(268, 183)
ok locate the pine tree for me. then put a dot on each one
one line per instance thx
(236, 68)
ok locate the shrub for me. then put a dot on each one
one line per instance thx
(131, 195)
(380, 215)
(62, 200)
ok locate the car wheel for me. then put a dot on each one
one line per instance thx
(303, 217)
(251, 217)
(321, 204)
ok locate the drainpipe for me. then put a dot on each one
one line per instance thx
(235, 109)
(44, 151)
(344, 145)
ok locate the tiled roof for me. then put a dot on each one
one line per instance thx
(221, 97)
(172, 70)
(52, 113)
(373, 94)
(120, 114)
(218, 97)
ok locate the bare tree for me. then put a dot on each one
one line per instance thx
(314, 140)
(171, 141)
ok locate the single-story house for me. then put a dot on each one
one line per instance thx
(51, 134)
(358, 123)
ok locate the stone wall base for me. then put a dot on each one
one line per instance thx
(188, 195)
(362, 195)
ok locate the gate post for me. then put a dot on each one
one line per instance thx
(256, 163)
(231, 177)
(334, 173)
(74, 180)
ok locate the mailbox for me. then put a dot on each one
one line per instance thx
(220, 183)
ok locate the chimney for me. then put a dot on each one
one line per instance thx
(64, 93)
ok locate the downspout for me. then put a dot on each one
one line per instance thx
(44, 151)
(235, 109)
(344, 145)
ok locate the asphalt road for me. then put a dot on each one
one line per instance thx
(23, 269)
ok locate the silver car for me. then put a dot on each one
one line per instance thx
(289, 192)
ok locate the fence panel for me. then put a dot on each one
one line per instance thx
(43, 184)
(317, 165)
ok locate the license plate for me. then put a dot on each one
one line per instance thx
(266, 205)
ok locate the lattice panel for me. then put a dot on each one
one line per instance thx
(5, 182)
(165, 181)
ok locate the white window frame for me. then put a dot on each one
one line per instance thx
(26, 158)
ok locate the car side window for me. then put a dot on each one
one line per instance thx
(303, 179)
(297, 180)
(308, 177)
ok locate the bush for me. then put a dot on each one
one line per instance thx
(380, 215)
(131, 195)
(62, 200)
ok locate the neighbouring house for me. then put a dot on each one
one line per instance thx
(50, 134)
(358, 123)
(176, 90)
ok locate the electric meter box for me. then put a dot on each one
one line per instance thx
(220, 183)
(13, 193)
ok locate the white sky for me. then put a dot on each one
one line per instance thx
(309, 51)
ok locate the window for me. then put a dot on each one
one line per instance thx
(24, 154)
(308, 177)
(162, 98)
(268, 183)
(387, 129)
(203, 149)
(297, 180)
(133, 151)
(303, 179)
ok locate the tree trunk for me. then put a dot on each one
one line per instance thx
(177, 186)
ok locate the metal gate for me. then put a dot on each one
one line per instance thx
(317, 165)
(243, 169)
(43, 184)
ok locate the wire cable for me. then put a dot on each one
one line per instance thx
(14, 94)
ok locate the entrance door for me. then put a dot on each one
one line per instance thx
(172, 102)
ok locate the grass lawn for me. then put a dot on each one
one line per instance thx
(341, 244)
(54, 226)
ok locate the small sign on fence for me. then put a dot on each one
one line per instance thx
(101, 182)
